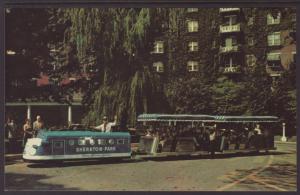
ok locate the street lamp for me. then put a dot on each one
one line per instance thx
(283, 138)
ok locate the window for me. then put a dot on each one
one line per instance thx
(213, 44)
(101, 142)
(231, 41)
(274, 39)
(81, 142)
(192, 26)
(273, 56)
(58, 144)
(192, 9)
(120, 141)
(213, 24)
(193, 46)
(294, 17)
(230, 20)
(192, 66)
(271, 20)
(250, 41)
(91, 141)
(71, 142)
(250, 21)
(251, 60)
(158, 47)
(111, 141)
(158, 66)
(229, 62)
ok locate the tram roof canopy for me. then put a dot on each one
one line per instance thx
(243, 119)
(175, 117)
(206, 118)
(44, 134)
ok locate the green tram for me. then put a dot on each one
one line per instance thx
(181, 134)
(159, 135)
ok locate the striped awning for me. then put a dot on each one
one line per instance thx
(244, 119)
(175, 117)
(206, 118)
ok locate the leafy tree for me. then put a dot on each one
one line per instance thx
(228, 97)
(259, 91)
(120, 41)
(26, 41)
(189, 95)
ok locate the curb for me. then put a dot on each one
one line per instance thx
(10, 157)
(281, 142)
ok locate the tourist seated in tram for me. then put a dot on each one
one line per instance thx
(106, 126)
(258, 129)
(148, 133)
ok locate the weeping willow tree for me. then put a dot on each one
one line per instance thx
(120, 39)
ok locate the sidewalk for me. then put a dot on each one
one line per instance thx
(11, 157)
(281, 142)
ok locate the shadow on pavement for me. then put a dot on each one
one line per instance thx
(12, 161)
(15, 181)
(50, 164)
(217, 156)
(275, 177)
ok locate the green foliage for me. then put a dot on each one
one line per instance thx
(258, 92)
(189, 96)
(229, 97)
(116, 43)
(27, 35)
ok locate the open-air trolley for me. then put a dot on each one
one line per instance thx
(161, 135)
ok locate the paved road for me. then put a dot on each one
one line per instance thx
(273, 172)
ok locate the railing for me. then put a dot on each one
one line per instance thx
(230, 28)
(232, 69)
(274, 70)
(228, 9)
(226, 49)
(273, 57)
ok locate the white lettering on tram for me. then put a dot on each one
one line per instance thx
(95, 149)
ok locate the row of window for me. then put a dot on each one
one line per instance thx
(159, 46)
(84, 141)
(230, 20)
(273, 40)
(193, 66)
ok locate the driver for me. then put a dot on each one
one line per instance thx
(106, 126)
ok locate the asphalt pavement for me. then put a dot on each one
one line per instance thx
(275, 171)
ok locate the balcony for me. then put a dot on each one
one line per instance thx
(228, 49)
(222, 10)
(273, 56)
(274, 71)
(232, 69)
(230, 28)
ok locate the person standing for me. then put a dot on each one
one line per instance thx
(12, 133)
(27, 128)
(257, 129)
(212, 142)
(37, 125)
(106, 126)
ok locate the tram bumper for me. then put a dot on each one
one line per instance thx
(32, 149)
